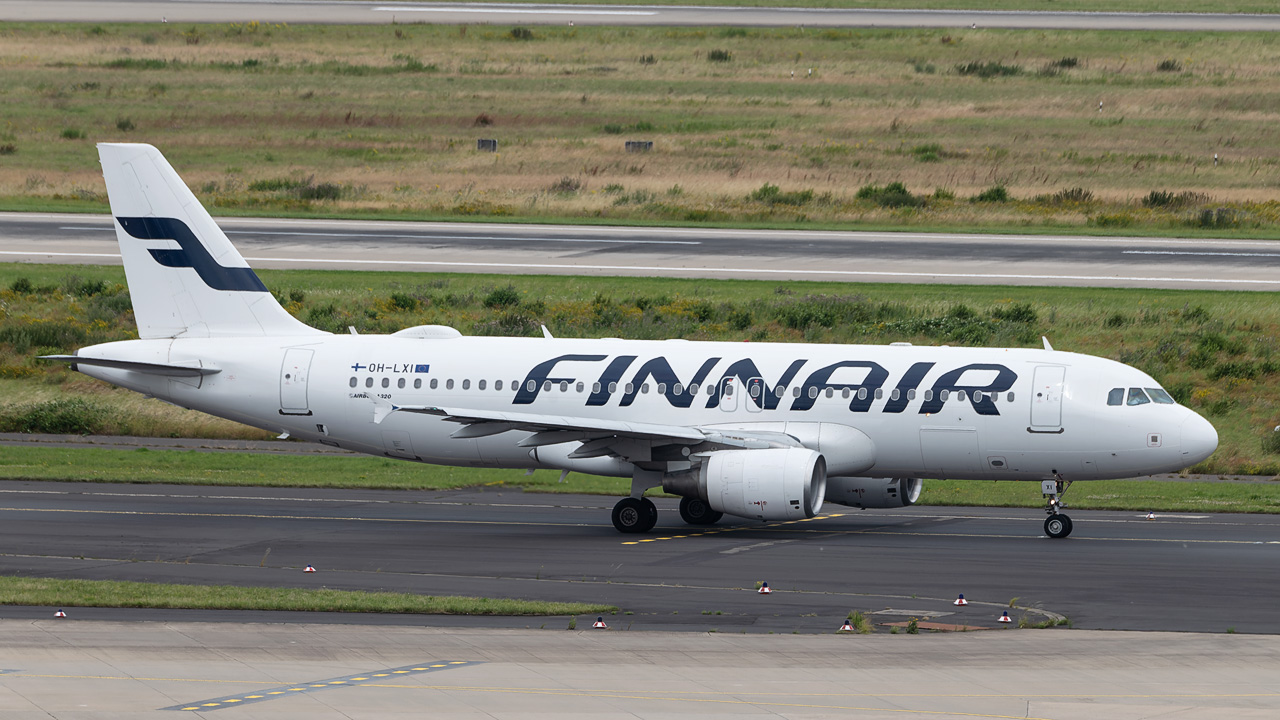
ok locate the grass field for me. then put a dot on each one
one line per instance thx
(1214, 351)
(111, 593)
(229, 468)
(1149, 6)
(982, 128)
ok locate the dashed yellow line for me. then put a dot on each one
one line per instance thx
(738, 528)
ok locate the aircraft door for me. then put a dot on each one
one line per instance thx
(755, 394)
(293, 381)
(729, 394)
(1046, 398)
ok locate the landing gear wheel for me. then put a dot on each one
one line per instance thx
(1057, 526)
(696, 511)
(635, 515)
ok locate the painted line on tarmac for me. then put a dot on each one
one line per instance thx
(345, 501)
(262, 516)
(501, 10)
(510, 238)
(1188, 252)
(765, 272)
(731, 528)
(358, 679)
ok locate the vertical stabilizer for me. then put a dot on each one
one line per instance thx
(185, 277)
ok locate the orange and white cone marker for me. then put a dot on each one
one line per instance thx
(1005, 617)
(599, 623)
(960, 600)
(847, 626)
(309, 569)
(59, 614)
(764, 589)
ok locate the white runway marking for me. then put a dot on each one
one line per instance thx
(508, 238)
(513, 11)
(569, 267)
(1190, 252)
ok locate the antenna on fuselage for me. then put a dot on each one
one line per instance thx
(1047, 346)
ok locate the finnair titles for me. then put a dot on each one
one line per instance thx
(767, 431)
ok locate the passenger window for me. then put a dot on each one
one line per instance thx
(644, 388)
(531, 386)
(795, 391)
(353, 382)
(564, 386)
(434, 383)
(595, 387)
(578, 387)
(368, 382)
(977, 396)
(417, 383)
(845, 393)
(448, 384)
(613, 387)
(960, 395)
(895, 394)
(466, 384)
(1160, 396)
(711, 390)
(1116, 396)
(400, 383)
(862, 393)
(480, 385)
(728, 390)
(662, 388)
(911, 394)
(1137, 397)
(630, 388)
(546, 386)
(678, 389)
(754, 391)
(386, 382)
(831, 392)
(928, 395)
(813, 393)
(497, 385)
(1010, 396)
(942, 395)
(693, 389)
(879, 393)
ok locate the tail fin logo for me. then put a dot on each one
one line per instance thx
(191, 253)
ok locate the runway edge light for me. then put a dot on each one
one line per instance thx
(960, 600)
(846, 627)
(764, 589)
(599, 623)
(309, 569)
(1004, 618)
(59, 614)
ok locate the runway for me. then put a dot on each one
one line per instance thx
(690, 253)
(302, 11)
(1182, 572)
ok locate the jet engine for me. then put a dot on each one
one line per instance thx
(766, 484)
(862, 492)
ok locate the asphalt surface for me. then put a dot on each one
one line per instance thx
(1118, 570)
(683, 252)
(300, 11)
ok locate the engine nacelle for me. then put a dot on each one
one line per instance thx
(766, 484)
(862, 492)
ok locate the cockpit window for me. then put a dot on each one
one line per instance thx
(1160, 396)
(1137, 397)
(1116, 396)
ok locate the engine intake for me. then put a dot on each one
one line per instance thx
(862, 492)
(766, 484)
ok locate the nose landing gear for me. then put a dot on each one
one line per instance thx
(1057, 525)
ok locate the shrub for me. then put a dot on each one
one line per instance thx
(1217, 218)
(943, 194)
(993, 194)
(70, 416)
(275, 184)
(401, 301)
(927, 153)
(988, 69)
(8, 149)
(1022, 312)
(825, 311)
(1115, 320)
(1069, 196)
(895, 194)
(719, 56)
(772, 195)
(22, 286)
(1169, 66)
(72, 134)
(1271, 443)
(124, 124)
(1118, 220)
(566, 184)
(502, 297)
(647, 60)
(323, 191)
(1065, 63)
(520, 33)
(483, 120)
(43, 334)
(1164, 198)
(510, 324)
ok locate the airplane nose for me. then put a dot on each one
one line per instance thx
(1199, 439)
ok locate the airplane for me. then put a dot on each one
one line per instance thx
(764, 431)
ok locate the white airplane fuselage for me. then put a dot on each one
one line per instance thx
(1017, 431)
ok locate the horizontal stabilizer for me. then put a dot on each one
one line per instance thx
(140, 367)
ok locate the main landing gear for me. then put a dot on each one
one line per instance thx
(696, 511)
(1056, 525)
(635, 515)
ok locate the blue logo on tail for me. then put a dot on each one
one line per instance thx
(191, 254)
